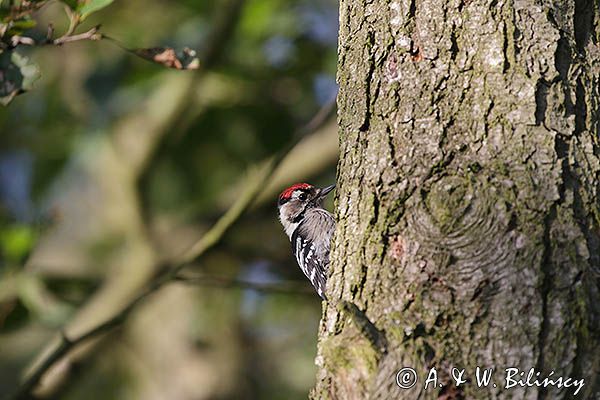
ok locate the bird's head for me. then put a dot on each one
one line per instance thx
(295, 200)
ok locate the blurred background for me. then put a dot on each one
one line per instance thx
(112, 166)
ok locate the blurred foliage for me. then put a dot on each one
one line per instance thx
(17, 76)
(65, 153)
(16, 242)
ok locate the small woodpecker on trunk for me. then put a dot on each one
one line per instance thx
(310, 228)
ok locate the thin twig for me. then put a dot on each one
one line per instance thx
(49, 32)
(256, 182)
(73, 21)
(17, 40)
(285, 287)
(21, 11)
(92, 34)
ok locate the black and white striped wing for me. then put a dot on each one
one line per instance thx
(310, 262)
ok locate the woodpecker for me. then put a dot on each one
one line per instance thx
(310, 228)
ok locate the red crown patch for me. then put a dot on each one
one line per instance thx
(287, 193)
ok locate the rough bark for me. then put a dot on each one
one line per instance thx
(468, 198)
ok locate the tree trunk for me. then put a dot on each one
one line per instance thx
(468, 200)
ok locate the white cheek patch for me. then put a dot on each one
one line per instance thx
(288, 225)
(290, 228)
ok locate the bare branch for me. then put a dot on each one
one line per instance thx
(50, 32)
(23, 11)
(17, 40)
(92, 34)
(73, 21)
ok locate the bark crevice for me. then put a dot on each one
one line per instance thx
(583, 20)
(545, 289)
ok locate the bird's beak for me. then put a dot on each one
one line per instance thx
(324, 191)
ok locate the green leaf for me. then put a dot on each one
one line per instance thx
(16, 242)
(20, 26)
(71, 3)
(91, 6)
(17, 75)
(23, 24)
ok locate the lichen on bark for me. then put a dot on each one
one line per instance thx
(468, 210)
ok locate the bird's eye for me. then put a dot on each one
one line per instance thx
(302, 196)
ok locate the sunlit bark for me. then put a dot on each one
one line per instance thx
(468, 209)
